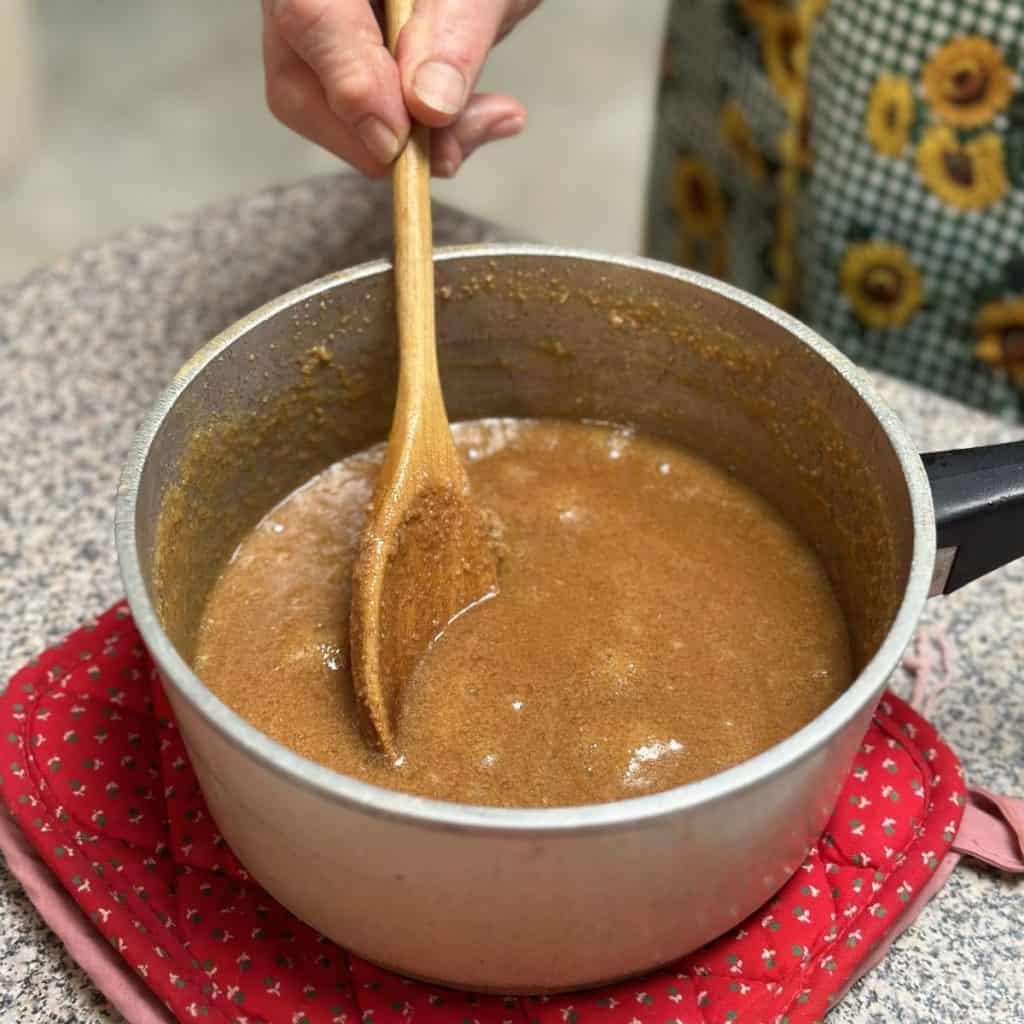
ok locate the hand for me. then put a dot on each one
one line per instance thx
(330, 77)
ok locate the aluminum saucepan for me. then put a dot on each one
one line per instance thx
(542, 899)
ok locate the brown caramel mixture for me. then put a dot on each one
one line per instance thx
(657, 622)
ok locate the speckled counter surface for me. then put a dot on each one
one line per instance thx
(86, 345)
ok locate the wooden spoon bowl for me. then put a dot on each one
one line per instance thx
(425, 554)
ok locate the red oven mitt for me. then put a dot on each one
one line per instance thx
(97, 778)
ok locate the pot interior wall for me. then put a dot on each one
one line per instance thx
(531, 336)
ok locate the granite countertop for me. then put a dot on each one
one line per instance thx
(86, 345)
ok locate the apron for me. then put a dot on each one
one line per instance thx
(860, 163)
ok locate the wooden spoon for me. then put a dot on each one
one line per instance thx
(425, 555)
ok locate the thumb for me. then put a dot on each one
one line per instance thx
(441, 52)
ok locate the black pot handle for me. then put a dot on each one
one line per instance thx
(979, 511)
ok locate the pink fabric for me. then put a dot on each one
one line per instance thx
(994, 835)
(112, 976)
(79, 709)
(992, 830)
(931, 887)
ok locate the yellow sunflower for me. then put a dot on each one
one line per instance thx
(785, 218)
(784, 52)
(883, 286)
(760, 11)
(795, 141)
(967, 81)
(1000, 331)
(968, 176)
(697, 198)
(783, 254)
(686, 255)
(717, 257)
(708, 255)
(890, 113)
(809, 11)
(740, 136)
(783, 292)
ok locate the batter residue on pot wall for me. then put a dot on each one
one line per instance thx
(657, 623)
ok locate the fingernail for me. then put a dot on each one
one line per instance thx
(440, 87)
(380, 141)
(446, 168)
(506, 128)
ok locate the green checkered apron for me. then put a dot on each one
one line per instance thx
(860, 162)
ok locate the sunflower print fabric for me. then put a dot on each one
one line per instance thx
(861, 163)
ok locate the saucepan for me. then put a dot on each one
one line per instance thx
(538, 900)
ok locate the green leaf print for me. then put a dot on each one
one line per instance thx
(919, 122)
(1014, 145)
(1013, 276)
(988, 291)
(1015, 111)
(860, 232)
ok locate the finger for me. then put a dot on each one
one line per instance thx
(486, 118)
(441, 52)
(341, 41)
(296, 98)
(516, 11)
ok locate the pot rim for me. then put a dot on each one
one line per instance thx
(445, 815)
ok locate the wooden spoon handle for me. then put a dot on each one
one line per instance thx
(414, 252)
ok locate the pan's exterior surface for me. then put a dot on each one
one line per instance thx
(523, 900)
